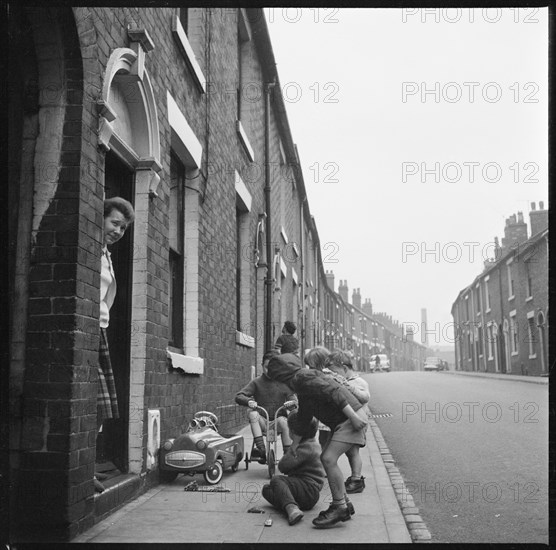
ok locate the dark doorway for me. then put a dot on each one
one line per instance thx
(502, 349)
(113, 445)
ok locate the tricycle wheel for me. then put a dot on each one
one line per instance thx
(214, 474)
(271, 463)
(167, 476)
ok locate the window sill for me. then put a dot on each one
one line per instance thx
(533, 356)
(244, 339)
(245, 140)
(529, 299)
(511, 297)
(186, 363)
(514, 353)
(188, 53)
(487, 310)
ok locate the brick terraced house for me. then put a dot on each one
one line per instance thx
(501, 318)
(179, 111)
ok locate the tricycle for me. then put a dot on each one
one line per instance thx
(271, 437)
(201, 449)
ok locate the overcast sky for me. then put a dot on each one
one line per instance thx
(376, 99)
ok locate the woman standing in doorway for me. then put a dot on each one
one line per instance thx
(118, 216)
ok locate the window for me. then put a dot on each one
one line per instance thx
(487, 295)
(480, 340)
(243, 264)
(478, 298)
(529, 281)
(469, 345)
(514, 343)
(467, 308)
(184, 215)
(188, 28)
(176, 253)
(532, 335)
(510, 281)
(184, 19)
(490, 341)
(247, 91)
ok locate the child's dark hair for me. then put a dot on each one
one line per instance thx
(290, 327)
(306, 431)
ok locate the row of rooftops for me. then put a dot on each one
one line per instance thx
(516, 240)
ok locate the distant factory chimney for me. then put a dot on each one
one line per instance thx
(424, 335)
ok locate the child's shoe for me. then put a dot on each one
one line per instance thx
(330, 517)
(294, 514)
(355, 485)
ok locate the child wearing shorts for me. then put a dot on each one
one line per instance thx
(340, 363)
(335, 406)
(300, 488)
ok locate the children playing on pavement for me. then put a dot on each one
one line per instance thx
(271, 395)
(340, 363)
(333, 404)
(299, 489)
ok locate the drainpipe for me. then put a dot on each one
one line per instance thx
(302, 275)
(269, 275)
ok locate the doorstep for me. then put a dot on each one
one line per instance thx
(118, 491)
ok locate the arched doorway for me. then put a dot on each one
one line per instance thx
(129, 133)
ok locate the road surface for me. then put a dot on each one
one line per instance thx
(473, 452)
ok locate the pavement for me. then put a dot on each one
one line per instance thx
(500, 376)
(168, 514)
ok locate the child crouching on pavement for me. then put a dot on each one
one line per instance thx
(299, 489)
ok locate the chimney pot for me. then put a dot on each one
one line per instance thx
(533, 206)
(541, 205)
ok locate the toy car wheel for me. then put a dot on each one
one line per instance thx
(235, 467)
(167, 476)
(271, 463)
(214, 474)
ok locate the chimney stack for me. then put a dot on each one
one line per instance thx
(368, 307)
(343, 291)
(356, 298)
(330, 279)
(538, 219)
(515, 232)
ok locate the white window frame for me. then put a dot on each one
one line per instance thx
(244, 201)
(513, 333)
(511, 290)
(187, 51)
(487, 295)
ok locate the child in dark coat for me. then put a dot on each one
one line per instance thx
(299, 489)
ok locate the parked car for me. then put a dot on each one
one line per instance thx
(433, 363)
(201, 449)
(382, 364)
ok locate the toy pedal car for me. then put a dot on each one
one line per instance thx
(200, 449)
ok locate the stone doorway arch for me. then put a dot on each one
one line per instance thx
(128, 127)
